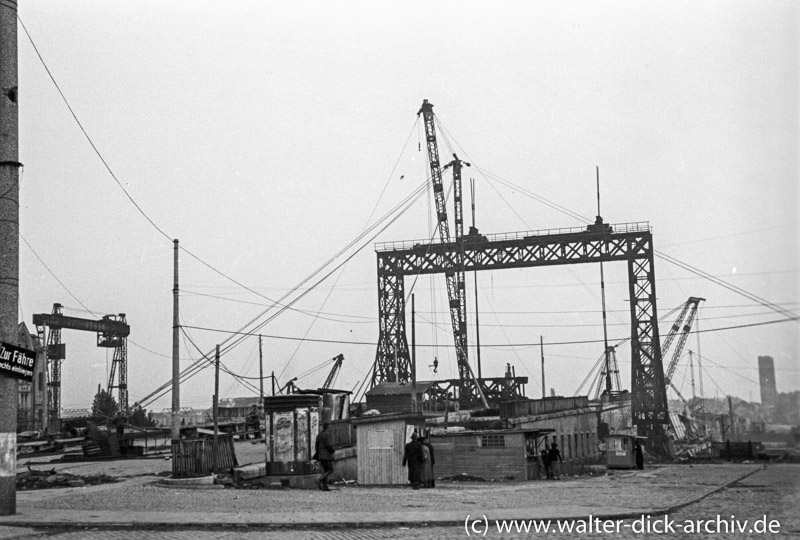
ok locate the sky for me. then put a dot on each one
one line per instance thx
(268, 136)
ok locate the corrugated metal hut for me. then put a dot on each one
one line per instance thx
(381, 442)
(490, 454)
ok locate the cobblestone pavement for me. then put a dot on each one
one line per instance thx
(772, 492)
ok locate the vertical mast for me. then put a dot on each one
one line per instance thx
(475, 277)
(176, 366)
(541, 349)
(603, 295)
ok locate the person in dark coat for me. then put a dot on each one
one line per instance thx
(429, 481)
(119, 424)
(412, 458)
(254, 421)
(554, 455)
(637, 452)
(548, 472)
(324, 454)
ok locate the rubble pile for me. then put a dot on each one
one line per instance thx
(33, 479)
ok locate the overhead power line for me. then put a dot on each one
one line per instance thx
(525, 344)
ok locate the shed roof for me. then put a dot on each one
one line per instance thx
(399, 389)
(413, 417)
(538, 432)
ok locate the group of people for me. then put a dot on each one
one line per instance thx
(419, 458)
(551, 462)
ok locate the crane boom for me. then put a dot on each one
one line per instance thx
(691, 308)
(337, 365)
(456, 292)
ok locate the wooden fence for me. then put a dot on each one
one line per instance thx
(193, 457)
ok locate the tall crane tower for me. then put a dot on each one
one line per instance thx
(456, 288)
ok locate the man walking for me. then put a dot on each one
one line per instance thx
(324, 453)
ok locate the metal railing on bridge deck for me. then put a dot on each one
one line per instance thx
(615, 228)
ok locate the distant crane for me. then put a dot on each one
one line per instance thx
(337, 365)
(682, 326)
(688, 312)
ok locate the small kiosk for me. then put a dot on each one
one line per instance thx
(620, 451)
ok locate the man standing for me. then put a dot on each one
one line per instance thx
(254, 422)
(545, 468)
(412, 457)
(119, 424)
(324, 453)
(637, 451)
(555, 460)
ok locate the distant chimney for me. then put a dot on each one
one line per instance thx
(766, 378)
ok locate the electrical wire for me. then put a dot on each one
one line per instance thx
(236, 337)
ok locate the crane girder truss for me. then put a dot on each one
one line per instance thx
(631, 242)
(454, 275)
(112, 332)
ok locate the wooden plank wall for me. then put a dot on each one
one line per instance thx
(460, 454)
(200, 456)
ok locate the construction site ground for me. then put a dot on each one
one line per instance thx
(138, 505)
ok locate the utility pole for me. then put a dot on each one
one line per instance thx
(699, 357)
(273, 382)
(176, 366)
(260, 378)
(733, 419)
(541, 349)
(215, 404)
(413, 358)
(9, 248)
(216, 396)
(475, 279)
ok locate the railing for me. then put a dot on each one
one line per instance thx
(616, 228)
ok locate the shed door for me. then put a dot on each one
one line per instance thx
(380, 445)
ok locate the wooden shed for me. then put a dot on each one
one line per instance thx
(490, 454)
(620, 452)
(381, 441)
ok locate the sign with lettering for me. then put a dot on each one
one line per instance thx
(17, 362)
